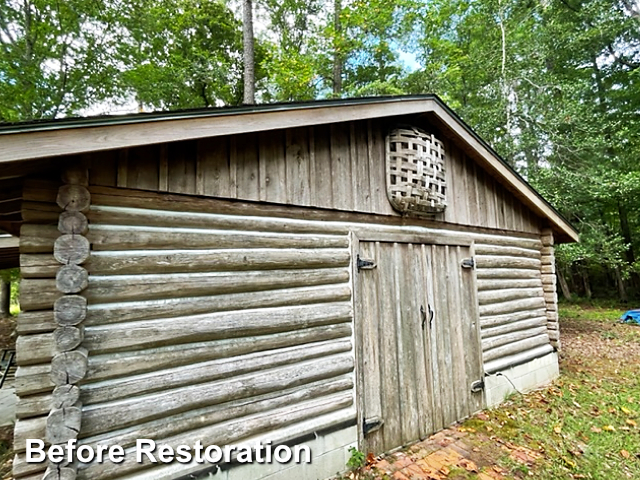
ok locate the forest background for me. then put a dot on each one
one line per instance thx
(552, 85)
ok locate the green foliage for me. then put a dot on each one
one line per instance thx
(357, 458)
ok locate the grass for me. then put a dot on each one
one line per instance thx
(585, 425)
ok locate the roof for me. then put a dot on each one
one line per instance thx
(42, 140)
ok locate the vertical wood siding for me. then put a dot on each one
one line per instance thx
(339, 166)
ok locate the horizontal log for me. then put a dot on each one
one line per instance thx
(554, 334)
(115, 365)
(132, 411)
(487, 297)
(37, 238)
(516, 316)
(72, 279)
(176, 261)
(503, 261)
(38, 265)
(548, 269)
(194, 373)
(506, 273)
(549, 279)
(547, 240)
(65, 396)
(35, 322)
(63, 424)
(552, 315)
(212, 414)
(547, 260)
(211, 326)
(553, 326)
(69, 367)
(75, 174)
(33, 379)
(33, 406)
(40, 213)
(40, 189)
(513, 327)
(28, 429)
(551, 297)
(497, 250)
(549, 288)
(58, 472)
(547, 251)
(74, 223)
(512, 337)
(122, 288)
(38, 294)
(517, 358)
(67, 338)
(512, 306)
(69, 310)
(27, 471)
(34, 349)
(71, 249)
(230, 433)
(505, 283)
(73, 198)
(515, 347)
(119, 237)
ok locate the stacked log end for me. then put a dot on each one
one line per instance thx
(548, 270)
(69, 363)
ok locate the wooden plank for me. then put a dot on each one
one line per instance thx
(407, 329)
(33, 379)
(38, 238)
(472, 188)
(182, 167)
(143, 167)
(247, 169)
(163, 168)
(487, 321)
(35, 322)
(486, 249)
(512, 306)
(213, 167)
(392, 429)
(297, 167)
(323, 179)
(342, 193)
(103, 168)
(367, 325)
(506, 273)
(360, 166)
(459, 347)
(503, 261)
(273, 168)
(502, 283)
(149, 333)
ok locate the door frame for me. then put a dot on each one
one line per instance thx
(357, 334)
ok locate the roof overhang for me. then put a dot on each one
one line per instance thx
(37, 141)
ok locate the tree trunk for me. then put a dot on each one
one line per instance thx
(337, 45)
(586, 283)
(566, 293)
(621, 288)
(249, 64)
(5, 298)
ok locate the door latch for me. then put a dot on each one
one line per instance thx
(477, 386)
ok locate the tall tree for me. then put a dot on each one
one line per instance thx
(248, 53)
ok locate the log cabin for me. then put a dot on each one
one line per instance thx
(345, 273)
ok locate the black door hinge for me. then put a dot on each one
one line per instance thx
(371, 424)
(365, 264)
(468, 263)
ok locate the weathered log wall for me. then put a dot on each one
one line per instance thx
(512, 307)
(340, 167)
(548, 269)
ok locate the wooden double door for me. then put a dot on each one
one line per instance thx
(418, 341)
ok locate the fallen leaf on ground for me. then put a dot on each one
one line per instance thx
(609, 428)
(625, 454)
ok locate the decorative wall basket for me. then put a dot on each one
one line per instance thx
(415, 171)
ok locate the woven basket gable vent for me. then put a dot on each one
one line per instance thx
(415, 171)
